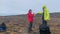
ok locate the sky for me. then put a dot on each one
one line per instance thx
(16, 7)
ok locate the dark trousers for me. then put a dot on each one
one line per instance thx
(30, 26)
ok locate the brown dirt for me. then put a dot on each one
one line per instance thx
(19, 24)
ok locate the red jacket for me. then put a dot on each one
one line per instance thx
(30, 17)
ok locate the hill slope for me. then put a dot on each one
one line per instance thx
(19, 24)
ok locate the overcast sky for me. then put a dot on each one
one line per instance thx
(15, 7)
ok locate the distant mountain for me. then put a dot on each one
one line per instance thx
(51, 14)
(55, 15)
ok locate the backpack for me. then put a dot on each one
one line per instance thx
(44, 29)
(2, 27)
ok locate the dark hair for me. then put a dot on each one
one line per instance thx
(30, 10)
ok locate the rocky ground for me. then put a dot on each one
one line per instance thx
(19, 24)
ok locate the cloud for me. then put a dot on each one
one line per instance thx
(11, 7)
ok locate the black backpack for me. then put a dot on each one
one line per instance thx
(44, 29)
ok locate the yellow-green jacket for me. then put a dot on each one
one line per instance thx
(46, 14)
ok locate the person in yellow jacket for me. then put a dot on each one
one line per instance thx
(46, 14)
(44, 28)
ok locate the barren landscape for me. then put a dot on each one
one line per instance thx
(18, 24)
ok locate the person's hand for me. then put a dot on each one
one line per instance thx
(34, 14)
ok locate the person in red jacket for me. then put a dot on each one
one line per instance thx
(30, 19)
